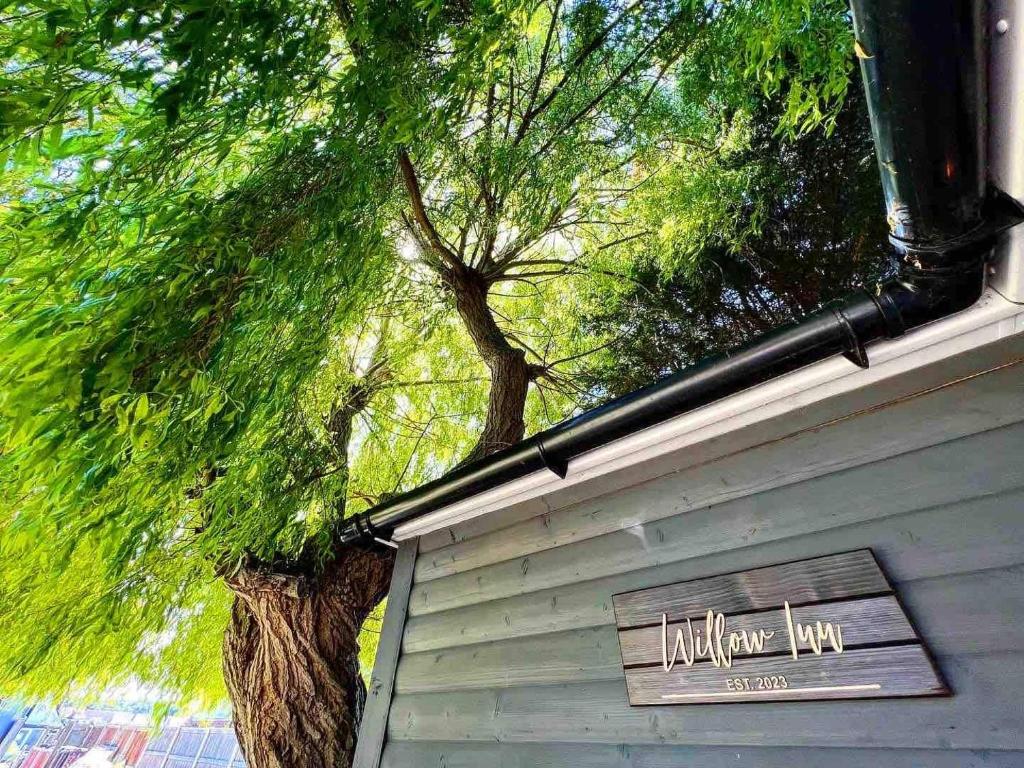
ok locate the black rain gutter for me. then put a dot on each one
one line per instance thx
(923, 66)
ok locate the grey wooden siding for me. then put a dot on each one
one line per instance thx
(510, 658)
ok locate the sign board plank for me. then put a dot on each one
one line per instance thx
(869, 621)
(902, 670)
(850, 574)
(825, 628)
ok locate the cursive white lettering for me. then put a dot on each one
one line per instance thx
(815, 635)
(714, 644)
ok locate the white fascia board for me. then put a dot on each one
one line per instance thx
(992, 318)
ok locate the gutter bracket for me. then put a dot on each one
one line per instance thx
(368, 532)
(855, 351)
(559, 466)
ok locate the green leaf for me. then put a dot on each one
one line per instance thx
(53, 137)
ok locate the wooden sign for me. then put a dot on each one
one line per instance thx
(826, 628)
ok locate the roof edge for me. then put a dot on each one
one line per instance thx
(992, 319)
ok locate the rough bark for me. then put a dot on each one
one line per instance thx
(291, 660)
(506, 402)
(510, 373)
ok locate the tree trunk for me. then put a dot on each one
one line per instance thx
(291, 660)
(510, 373)
(506, 402)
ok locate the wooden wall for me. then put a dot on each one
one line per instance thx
(509, 655)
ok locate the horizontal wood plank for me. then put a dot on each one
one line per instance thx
(922, 544)
(410, 754)
(873, 620)
(483, 524)
(984, 714)
(831, 577)
(939, 475)
(574, 656)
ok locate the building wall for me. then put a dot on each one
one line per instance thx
(193, 746)
(509, 655)
(207, 745)
(56, 744)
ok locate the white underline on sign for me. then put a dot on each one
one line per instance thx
(775, 691)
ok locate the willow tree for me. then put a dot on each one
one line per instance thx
(268, 262)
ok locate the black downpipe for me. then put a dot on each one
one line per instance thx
(924, 77)
(924, 73)
(922, 63)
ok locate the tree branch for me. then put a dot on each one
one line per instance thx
(589, 352)
(505, 277)
(610, 86)
(419, 212)
(541, 71)
(585, 53)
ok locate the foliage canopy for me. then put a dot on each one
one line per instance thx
(222, 223)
